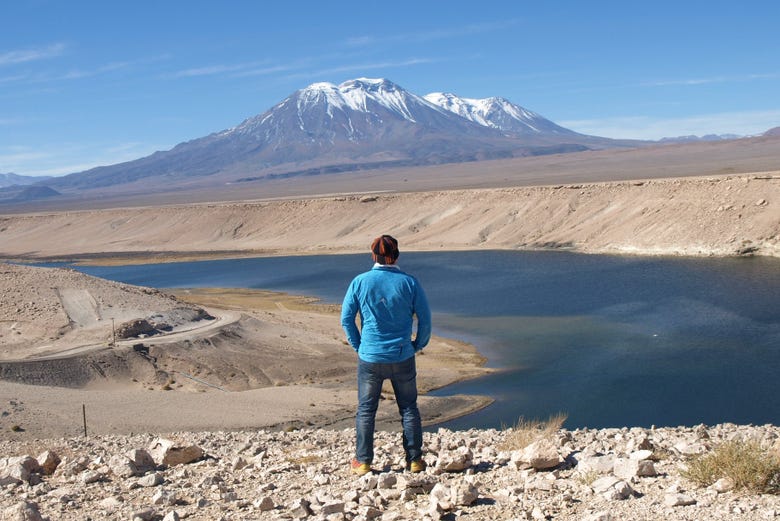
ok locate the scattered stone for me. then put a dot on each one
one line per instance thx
(145, 514)
(678, 500)
(540, 455)
(454, 461)
(23, 511)
(151, 480)
(264, 504)
(48, 462)
(303, 477)
(630, 468)
(723, 485)
(166, 452)
(612, 488)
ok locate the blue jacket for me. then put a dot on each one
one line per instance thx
(386, 299)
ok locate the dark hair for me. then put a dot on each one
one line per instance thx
(384, 250)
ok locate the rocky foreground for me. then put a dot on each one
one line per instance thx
(477, 474)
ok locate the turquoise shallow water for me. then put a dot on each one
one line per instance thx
(610, 341)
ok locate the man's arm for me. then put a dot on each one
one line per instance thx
(423, 313)
(349, 311)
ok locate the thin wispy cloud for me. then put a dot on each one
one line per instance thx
(213, 70)
(28, 55)
(77, 74)
(264, 71)
(433, 34)
(711, 80)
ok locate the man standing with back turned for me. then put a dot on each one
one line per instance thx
(387, 299)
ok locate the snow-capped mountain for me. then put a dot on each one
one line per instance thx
(499, 113)
(356, 111)
(359, 124)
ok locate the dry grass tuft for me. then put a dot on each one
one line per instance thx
(749, 466)
(525, 431)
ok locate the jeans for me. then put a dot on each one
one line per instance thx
(403, 376)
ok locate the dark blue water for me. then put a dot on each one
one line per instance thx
(610, 341)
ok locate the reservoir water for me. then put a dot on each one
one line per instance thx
(610, 341)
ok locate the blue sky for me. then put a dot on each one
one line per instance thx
(86, 83)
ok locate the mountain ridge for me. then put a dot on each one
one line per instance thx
(361, 123)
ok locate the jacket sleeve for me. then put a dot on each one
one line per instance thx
(349, 311)
(423, 313)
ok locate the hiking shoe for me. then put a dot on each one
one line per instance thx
(417, 465)
(359, 468)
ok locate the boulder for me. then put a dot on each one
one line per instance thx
(166, 452)
(598, 464)
(142, 460)
(454, 460)
(612, 488)
(48, 462)
(630, 468)
(23, 511)
(540, 455)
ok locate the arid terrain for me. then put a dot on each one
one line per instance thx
(714, 215)
(78, 351)
(250, 359)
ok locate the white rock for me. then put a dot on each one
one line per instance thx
(91, 476)
(151, 480)
(121, 466)
(630, 468)
(599, 464)
(612, 488)
(723, 485)
(464, 494)
(678, 500)
(641, 455)
(22, 511)
(166, 452)
(165, 498)
(541, 455)
(386, 480)
(142, 460)
(454, 460)
(48, 462)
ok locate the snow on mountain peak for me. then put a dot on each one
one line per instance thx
(358, 94)
(494, 112)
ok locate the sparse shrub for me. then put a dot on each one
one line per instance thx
(749, 466)
(525, 432)
(16, 428)
(660, 454)
(587, 478)
(304, 460)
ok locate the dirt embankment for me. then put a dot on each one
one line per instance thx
(720, 215)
